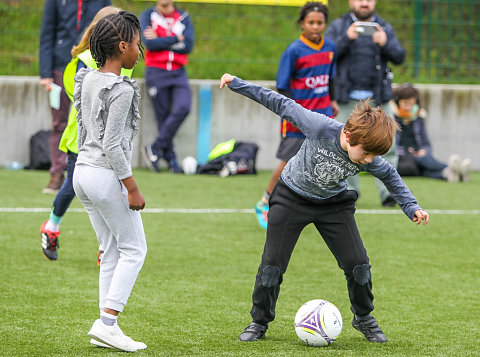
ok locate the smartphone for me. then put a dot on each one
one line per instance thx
(366, 28)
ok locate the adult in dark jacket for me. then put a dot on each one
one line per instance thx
(168, 35)
(63, 22)
(362, 70)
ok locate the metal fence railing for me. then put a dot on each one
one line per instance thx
(442, 37)
(446, 39)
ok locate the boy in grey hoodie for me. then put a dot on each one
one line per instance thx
(313, 189)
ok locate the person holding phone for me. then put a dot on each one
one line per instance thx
(360, 36)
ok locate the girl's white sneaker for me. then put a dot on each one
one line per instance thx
(114, 337)
(99, 344)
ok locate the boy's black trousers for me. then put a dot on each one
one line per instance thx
(334, 219)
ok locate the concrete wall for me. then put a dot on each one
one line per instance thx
(453, 121)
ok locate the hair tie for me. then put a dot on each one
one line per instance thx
(316, 8)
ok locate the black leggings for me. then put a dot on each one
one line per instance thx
(334, 219)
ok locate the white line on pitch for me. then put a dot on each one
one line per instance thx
(230, 210)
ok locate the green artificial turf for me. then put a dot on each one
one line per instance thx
(193, 295)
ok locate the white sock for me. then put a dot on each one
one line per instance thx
(108, 319)
(50, 226)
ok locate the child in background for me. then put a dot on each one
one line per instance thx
(82, 58)
(313, 189)
(305, 74)
(412, 143)
(108, 116)
(168, 35)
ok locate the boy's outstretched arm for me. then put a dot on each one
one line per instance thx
(421, 215)
(309, 122)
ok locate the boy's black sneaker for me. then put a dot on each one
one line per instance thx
(49, 242)
(369, 327)
(151, 159)
(253, 332)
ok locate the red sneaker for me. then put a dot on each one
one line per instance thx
(99, 257)
(49, 242)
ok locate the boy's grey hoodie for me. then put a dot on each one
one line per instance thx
(320, 168)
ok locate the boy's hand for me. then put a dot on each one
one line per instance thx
(226, 80)
(421, 215)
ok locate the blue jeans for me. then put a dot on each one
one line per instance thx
(66, 193)
(430, 167)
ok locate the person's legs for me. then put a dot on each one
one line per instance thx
(120, 231)
(107, 240)
(161, 105)
(158, 90)
(336, 224)
(430, 167)
(66, 194)
(110, 199)
(180, 98)
(339, 230)
(58, 159)
(50, 229)
(286, 221)
(262, 207)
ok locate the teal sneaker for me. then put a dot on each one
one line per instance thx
(261, 211)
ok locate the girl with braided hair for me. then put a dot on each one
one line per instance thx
(108, 116)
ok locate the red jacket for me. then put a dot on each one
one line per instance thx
(166, 52)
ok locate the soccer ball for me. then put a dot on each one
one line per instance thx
(189, 165)
(318, 323)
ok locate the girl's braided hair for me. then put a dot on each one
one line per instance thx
(108, 33)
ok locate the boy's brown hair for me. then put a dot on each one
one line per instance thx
(371, 128)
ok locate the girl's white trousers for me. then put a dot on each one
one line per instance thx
(119, 230)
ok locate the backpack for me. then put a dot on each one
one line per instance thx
(40, 151)
(239, 159)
